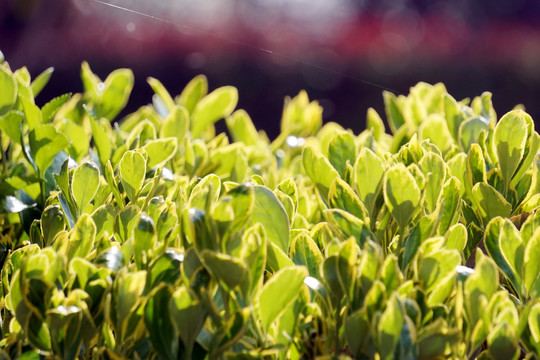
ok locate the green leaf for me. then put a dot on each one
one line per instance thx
(176, 124)
(254, 254)
(456, 237)
(268, 211)
(357, 332)
(469, 131)
(503, 343)
(476, 166)
(228, 269)
(41, 80)
(305, 252)
(124, 221)
(449, 203)
(401, 194)
(489, 203)
(437, 272)
(101, 139)
(319, 169)
(38, 333)
(45, 142)
(77, 137)
(166, 268)
(419, 233)
(81, 237)
(242, 129)
(331, 280)
(389, 328)
(160, 90)
(436, 340)
(85, 184)
(531, 265)
(342, 196)
(375, 124)
(347, 268)
(111, 182)
(219, 104)
(532, 149)
(49, 110)
(341, 150)
(187, 315)
(534, 322)
(52, 222)
(433, 164)
(243, 200)
(127, 290)
(368, 176)
(279, 292)
(453, 114)
(8, 90)
(504, 245)
(159, 323)
(132, 172)
(32, 113)
(194, 91)
(117, 88)
(345, 225)
(144, 240)
(510, 138)
(300, 117)
(394, 114)
(10, 124)
(435, 129)
(458, 168)
(276, 258)
(160, 151)
(90, 81)
(391, 275)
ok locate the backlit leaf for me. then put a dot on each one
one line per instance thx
(132, 172)
(10, 124)
(194, 91)
(268, 211)
(279, 292)
(342, 150)
(41, 80)
(115, 94)
(510, 138)
(85, 184)
(319, 169)
(305, 252)
(219, 104)
(389, 328)
(8, 92)
(368, 176)
(160, 151)
(401, 194)
(45, 142)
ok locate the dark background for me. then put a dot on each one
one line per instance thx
(343, 52)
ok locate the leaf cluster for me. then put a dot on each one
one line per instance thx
(154, 237)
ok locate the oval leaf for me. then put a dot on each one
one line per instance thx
(279, 292)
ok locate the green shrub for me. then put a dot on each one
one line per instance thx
(153, 237)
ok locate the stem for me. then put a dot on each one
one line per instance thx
(225, 297)
(42, 190)
(4, 162)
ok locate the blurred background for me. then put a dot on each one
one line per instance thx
(343, 52)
